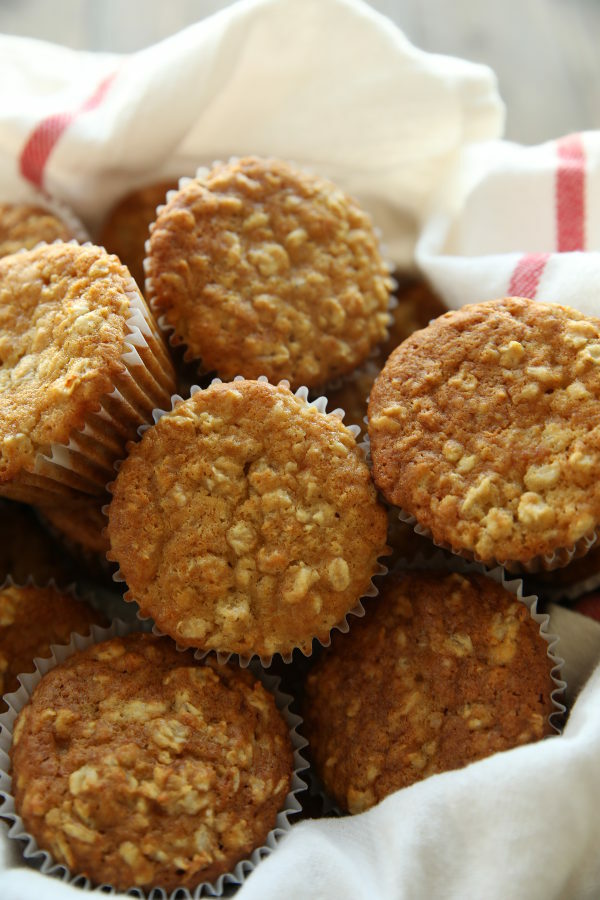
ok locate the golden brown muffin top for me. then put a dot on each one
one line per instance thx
(63, 314)
(125, 231)
(134, 764)
(485, 426)
(445, 669)
(246, 521)
(31, 619)
(262, 269)
(23, 225)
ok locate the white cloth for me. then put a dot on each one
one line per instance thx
(336, 87)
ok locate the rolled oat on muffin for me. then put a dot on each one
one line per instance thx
(262, 269)
(444, 669)
(32, 618)
(125, 230)
(485, 427)
(137, 766)
(83, 365)
(245, 521)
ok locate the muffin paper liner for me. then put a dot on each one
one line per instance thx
(27, 195)
(358, 610)
(95, 560)
(547, 562)
(42, 860)
(570, 592)
(169, 330)
(85, 463)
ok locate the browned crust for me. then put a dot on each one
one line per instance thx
(246, 521)
(485, 426)
(125, 231)
(262, 269)
(33, 618)
(444, 670)
(136, 765)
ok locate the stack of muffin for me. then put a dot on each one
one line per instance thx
(246, 523)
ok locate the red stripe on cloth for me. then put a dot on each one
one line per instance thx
(43, 138)
(526, 276)
(570, 194)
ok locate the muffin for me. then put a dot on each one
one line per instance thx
(26, 549)
(79, 525)
(485, 427)
(444, 669)
(416, 305)
(245, 521)
(31, 620)
(135, 765)
(83, 367)
(23, 225)
(125, 230)
(262, 269)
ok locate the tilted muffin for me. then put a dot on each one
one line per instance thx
(23, 225)
(262, 269)
(31, 620)
(136, 765)
(126, 229)
(444, 669)
(246, 521)
(83, 367)
(485, 426)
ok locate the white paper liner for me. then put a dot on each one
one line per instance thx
(85, 463)
(320, 403)
(169, 329)
(23, 193)
(514, 586)
(43, 861)
(95, 560)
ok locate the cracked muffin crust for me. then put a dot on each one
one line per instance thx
(64, 312)
(262, 269)
(136, 765)
(125, 231)
(445, 669)
(246, 521)
(486, 425)
(31, 619)
(24, 225)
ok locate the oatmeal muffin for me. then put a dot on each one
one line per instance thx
(23, 225)
(417, 305)
(137, 766)
(83, 367)
(445, 669)
(485, 427)
(246, 521)
(79, 525)
(26, 549)
(31, 620)
(261, 269)
(126, 228)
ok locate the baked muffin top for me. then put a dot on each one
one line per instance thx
(246, 521)
(135, 765)
(23, 225)
(126, 229)
(31, 620)
(262, 269)
(486, 425)
(443, 670)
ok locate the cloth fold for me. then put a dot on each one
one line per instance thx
(337, 88)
